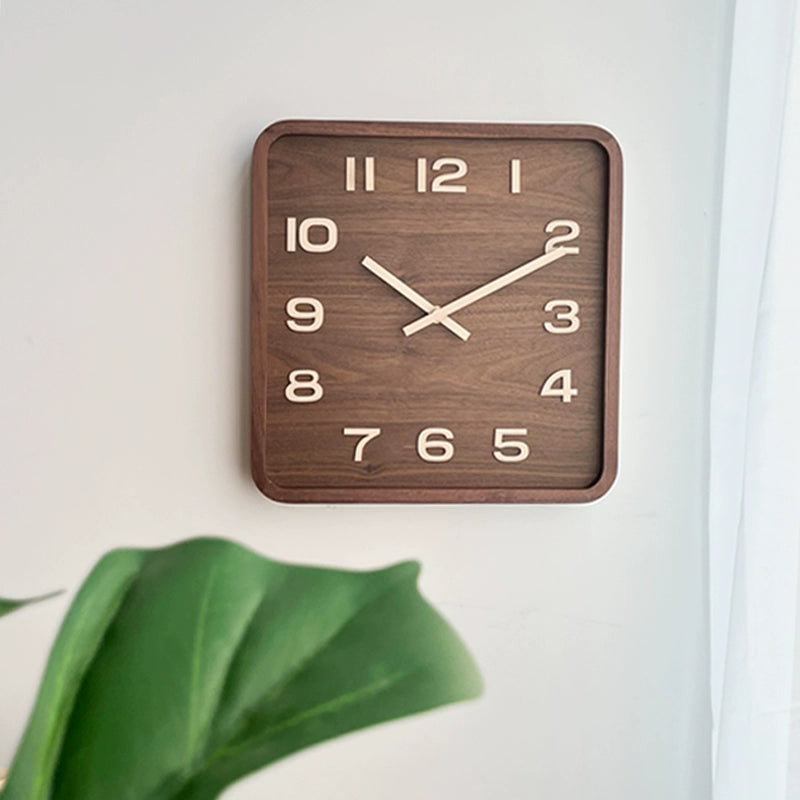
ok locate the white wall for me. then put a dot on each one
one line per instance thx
(124, 151)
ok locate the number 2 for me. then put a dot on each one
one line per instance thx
(556, 241)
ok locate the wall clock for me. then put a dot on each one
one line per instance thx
(435, 312)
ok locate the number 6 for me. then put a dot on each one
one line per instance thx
(435, 450)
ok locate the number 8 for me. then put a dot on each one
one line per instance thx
(306, 381)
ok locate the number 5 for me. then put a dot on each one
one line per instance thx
(520, 450)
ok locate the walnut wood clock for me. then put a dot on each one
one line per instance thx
(435, 312)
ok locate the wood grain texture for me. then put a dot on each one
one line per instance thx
(443, 245)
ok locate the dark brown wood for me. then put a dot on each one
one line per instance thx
(443, 245)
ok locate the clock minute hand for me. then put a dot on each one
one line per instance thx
(438, 314)
(415, 297)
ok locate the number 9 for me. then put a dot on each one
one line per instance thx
(316, 315)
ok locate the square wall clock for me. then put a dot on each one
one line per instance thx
(435, 312)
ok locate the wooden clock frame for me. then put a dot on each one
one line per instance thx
(259, 321)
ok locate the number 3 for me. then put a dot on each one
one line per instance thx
(570, 316)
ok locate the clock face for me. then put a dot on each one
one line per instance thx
(435, 312)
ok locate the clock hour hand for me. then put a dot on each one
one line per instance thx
(438, 314)
(415, 297)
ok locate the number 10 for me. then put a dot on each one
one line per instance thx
(301, 234)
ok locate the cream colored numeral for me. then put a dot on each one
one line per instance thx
(350, 173)
(557, 241)
(301, 234)
(441, 183)
(515, 168)
(519, 449)
(315, 315)
(422, 174)
(570, 316)
(435, 450)
(303, 386)
(564, 391)
(366, 434)
(291, 234)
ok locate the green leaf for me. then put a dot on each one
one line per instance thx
(7, 606)
(178, 671)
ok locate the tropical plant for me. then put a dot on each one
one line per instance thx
(179, 670)
(7, 606)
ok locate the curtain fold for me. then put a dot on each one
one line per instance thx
(754, 488)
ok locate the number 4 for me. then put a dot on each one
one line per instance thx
(565, 391)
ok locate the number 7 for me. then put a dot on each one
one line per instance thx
(366, 434)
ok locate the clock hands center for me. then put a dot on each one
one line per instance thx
(415, 297)
(439, 314)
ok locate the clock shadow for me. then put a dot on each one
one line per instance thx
(243, 346)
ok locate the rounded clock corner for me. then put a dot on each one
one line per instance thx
(606, 139)
(267, 487)
(602, 486)
(272, 133)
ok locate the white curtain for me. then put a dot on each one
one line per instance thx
(754, 510)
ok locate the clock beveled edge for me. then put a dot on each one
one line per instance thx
(438, 496)
(258, 350)
(466, 130)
